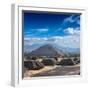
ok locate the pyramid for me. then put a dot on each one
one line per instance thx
(47, 50)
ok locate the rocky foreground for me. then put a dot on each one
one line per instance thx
(53, 71)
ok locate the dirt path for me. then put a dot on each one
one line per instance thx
(54, 71)
(60, 71)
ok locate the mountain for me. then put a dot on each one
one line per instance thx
(72, 50)
(30, 48)
(67, 50)
(47, 50)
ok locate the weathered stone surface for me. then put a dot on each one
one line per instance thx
(66, 62)
(33, 65)
(49, 61)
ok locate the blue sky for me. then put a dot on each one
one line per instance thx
(60, 28)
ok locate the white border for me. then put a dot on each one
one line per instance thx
(16, 79)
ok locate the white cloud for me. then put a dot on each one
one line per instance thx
(69, 30)
(69, 19)
(78, 22)
(72, 31)
(72, 41)
(57, 37)
(42, 30)
(31, 41)
(72, 19)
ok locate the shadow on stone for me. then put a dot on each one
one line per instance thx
(49, 62)
(33, 65)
